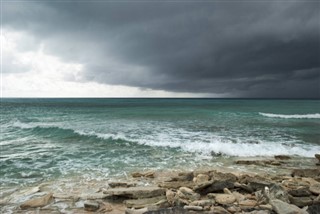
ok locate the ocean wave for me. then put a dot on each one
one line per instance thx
(202, 143)
(292, 116)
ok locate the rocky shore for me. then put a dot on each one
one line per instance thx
(295, 190)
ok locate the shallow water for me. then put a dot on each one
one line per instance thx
(49, 139)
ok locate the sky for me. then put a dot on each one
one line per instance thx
(247, 49)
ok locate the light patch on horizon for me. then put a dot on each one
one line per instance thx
(35, 73)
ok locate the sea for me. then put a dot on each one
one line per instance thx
(51, 139)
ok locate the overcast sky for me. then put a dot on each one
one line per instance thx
(120, 48)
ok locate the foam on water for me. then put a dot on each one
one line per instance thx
(292, 116)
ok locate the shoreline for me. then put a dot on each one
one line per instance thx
(173, 188)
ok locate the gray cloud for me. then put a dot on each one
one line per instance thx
(252, 49)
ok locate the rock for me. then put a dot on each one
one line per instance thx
(317, 156)
(258, 212)
(265, 207)
(183, 176)
(225, 199)
(234, 209)
(149, 174)
(300, 192)
(281, 207)
(282, 157)
(216, 186)
(194, 208)
(115, 184)
(37, 202)
(219, 210)
(176, 184)
(239, 197)
(145, 202)
(244, 187)
(201, 186)
(312, 173)
(93, 196)
(138, 211)
(105, 207)
(91, 206)
(136, 192)
(186, 193)
(202, 203)
(223, 176)
(314, 209)
(258, 162)
(170, 196)
(247, 204)
(278, 192)
(256, 184)
(201, 178)
(315, 188)
(301, 201)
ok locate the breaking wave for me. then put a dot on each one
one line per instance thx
(292, 116)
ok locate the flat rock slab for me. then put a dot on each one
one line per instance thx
(145, 202)
(136, 192)
(37, 202)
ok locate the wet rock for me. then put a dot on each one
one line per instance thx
(93, 196)
(37, 202)
(194, 208)
(183, 176)
(224, 199)
(215, 186)
(282, 157)
(259, 162)
(317, 156)
(145, 202)
(257, 184)
(115, 184)
(314, 209)
(315, 188)
(281, 207)
(149, 174)
(300, 192)
(136, 192)
(243, 187)
(301, 201)
(176, 184)
(312, 173)
(91, 206)
(278, 192)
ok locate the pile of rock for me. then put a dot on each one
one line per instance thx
(208, 191)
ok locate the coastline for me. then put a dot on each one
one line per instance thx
(181, 191)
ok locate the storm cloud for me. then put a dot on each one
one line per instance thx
(243, 49)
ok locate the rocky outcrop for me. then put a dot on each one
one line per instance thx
(37, 202)
(136, 192)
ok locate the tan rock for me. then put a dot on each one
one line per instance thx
(91, 206)
(202, 203)
(247, 204)
(149, 174)
(315, 188)
(281, 207)
(194, 208)
(219, 210)
(225, 199)
(170, 196)
(145, 202)
(187, 193)
(201, 178)
(37, 202)
(176, 184)
(105, 207)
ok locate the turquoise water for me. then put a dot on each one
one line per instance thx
(44, 139)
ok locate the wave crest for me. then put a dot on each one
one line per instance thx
(292, 116)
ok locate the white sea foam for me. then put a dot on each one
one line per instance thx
(292, 116)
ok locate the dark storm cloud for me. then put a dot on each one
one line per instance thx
(251, 49)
